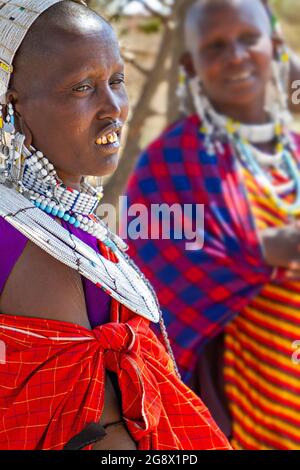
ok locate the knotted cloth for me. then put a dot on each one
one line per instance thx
(52, 385)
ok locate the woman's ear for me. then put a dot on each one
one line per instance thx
(278, 43)
(21, 126)
(187, 63)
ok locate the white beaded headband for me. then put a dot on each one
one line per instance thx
(16, 18)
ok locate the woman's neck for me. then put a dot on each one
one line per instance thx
(70, 180)
(243, 114)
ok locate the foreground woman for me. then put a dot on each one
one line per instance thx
(79, 363)
(236, 156)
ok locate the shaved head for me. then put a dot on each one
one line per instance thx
(65, 19)
(199, 13)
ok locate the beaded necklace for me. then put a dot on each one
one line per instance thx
(40, 184)
(121, 280)
(217, 128)
(251, 163)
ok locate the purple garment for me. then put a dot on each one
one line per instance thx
(12, 244)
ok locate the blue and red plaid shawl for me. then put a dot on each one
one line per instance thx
(199, 291)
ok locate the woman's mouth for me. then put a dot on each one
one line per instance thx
(108, 139)
(239, 78)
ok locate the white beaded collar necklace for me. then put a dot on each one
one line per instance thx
(252, 133)
(39, 182)
(122, 280)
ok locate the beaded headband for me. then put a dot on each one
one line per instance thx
(16, 18)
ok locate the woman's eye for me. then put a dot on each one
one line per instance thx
(250, 38)
(118, 80)
(82, 88)
(216, 46)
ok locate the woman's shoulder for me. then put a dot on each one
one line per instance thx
(12, 245)
(36, 284)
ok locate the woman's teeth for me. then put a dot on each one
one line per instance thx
(241, 76)
(108, 139)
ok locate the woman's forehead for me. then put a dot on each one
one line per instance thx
(82, 39)
(209, 17)
(68, 50)
(92, 53)
(46, 36)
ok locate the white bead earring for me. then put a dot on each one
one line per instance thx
(182, 91)
(11, 164)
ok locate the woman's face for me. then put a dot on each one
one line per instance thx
(232, 54)
(72, 95)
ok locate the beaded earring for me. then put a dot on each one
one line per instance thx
(277, 91)
(182, 91)
(11, 145)
(201, 105)
(282, 75)
(4, 151)
(276, 101)
(99, 187)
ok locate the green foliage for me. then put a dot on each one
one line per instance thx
(151, 26)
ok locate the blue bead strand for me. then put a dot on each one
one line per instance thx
(253, 166)
(71, 219)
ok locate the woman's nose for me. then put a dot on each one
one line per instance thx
(237, 53)
(109, 104)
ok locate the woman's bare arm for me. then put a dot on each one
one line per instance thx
(40, 286)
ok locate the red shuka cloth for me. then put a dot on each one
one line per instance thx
(52, 385)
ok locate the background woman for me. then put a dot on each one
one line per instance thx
(80, 364)
(236, 156)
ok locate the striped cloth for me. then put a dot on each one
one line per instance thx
(52, 385)
(262, 382)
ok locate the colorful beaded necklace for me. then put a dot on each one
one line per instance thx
(217, 129)
(40, 184)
